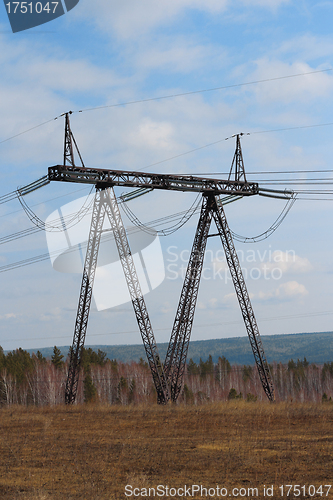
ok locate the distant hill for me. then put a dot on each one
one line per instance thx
(316, 347)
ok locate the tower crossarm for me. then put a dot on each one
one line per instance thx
(244, 300)
(139, 305)
(104, 178)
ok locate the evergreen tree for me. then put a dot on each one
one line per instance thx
(18, 363)
(247, 372)
(2, 359)
(89, 389)
(40, 357)
(192, 367)
(143, 363)
(90, 357)
(57, 358)
(224, 364)
(114, 365)
(2, 366)
(206, 367)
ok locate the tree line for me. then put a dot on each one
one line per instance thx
(31, 379)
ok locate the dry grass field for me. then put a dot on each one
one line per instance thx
(91, 452)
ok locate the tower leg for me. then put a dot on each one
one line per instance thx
(175, 360)
(244, 301)
(85, 296)
(141, 313)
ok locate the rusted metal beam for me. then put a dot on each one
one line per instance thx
(104, 178)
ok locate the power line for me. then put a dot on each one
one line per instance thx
(266, 234)
(314, 199)
(194, 208)
(261, 172)
(291, 128)
(29, 130)
(70, 220)
(224, 87)
(300, 183)
(40, 258)
(45, 201)
(26, 232)
(182, 216)
(226, 138)
(32, 230)
(18, 235)
(181, 94)
(206, 325)
(182, 154)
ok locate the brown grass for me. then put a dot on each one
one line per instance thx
(92, 452)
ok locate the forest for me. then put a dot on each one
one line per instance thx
(32, 379)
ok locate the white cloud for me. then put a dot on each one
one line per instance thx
(35, 88)
(215, 303)
(230, 297)
(166, 308)
(270, 4)
(38, 87)
(290, 90)
(130, 18)
(210, 304)
(54, 314)
(291, 289)
(288, 262)
(306, 47)
(219, 265)
(70, 75)
(177, 54)
(9, 316)
(286, 291)
(153, 134)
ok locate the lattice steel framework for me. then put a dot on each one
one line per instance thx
(168, 380)
(244, 300)
(68, 145)
(105, 203)
(108, 178)
(82, 315)
(237, 164)
(139, 305)
(175, 360)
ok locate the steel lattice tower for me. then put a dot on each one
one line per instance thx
(83, 310)
(105, 203)
(168, 378)
(175, 362)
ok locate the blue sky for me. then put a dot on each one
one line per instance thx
(106, 52)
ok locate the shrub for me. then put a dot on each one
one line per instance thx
(233, 394)
(251, 397)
